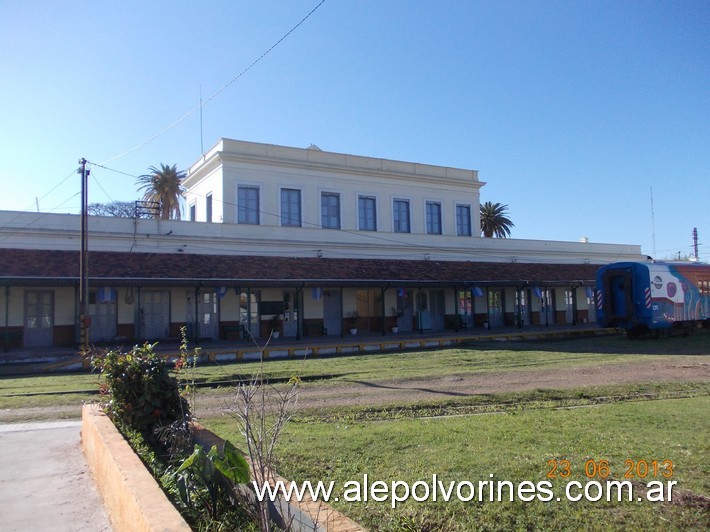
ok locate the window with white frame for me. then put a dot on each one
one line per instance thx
(463, 220)
(290, 207)
(400, 216)
(330, 210)
(248, 205)
(433, 218)
(208, 207)
(367, 213)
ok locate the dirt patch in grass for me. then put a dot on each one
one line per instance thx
(689, 499)
(367, 393)
(372, 392)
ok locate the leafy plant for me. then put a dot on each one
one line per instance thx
(142, 393)
(177, 437)
(198, 479)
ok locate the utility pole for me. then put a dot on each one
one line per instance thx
(695, 242)
(84, 320)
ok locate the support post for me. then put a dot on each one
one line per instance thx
(196, 323)
(457, 311)
(6, 348)
(473, 307)
(84, 260)
(298, 305)
(384, 312)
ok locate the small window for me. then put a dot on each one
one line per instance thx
(193, 212)
(248, 205)
(330, 210)
(433, 218)
(208, 207)
(463, 220)
(400, 215)
(367, 213)
(290, 207)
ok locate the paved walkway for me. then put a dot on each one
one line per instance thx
(45, 483)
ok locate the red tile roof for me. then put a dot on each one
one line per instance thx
(22, 266)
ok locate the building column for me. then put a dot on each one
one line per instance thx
(384, 312)
(6, 347)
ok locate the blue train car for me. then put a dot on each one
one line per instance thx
(655, 297)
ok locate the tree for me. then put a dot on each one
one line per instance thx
(121, 209)
(494, 220)
(163, 186)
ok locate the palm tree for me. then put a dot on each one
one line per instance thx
(494, 220)
(163, 186)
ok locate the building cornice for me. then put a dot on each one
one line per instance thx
(242, 152)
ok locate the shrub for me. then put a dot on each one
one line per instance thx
(142, 393)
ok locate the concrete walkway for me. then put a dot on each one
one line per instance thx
(45, 483)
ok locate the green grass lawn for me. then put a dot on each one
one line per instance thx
(512, 447)
(511, 435)
(477, 358)
(480, 358)
(29, 391)
(404, 442)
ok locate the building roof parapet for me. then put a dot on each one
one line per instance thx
(238, 150)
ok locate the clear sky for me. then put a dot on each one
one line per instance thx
(571, 111)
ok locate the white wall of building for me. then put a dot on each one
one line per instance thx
(25, 230)
(271, 168)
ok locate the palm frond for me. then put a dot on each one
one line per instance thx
(164, 186)
(494, 220)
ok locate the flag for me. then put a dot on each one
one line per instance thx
(477, 291)
(316, 292)
(106, 295)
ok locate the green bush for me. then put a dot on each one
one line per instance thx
(142, 393)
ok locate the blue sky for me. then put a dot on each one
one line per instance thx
(571, 111)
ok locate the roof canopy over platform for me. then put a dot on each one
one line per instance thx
(25, 267)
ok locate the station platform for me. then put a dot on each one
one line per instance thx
(49, 360)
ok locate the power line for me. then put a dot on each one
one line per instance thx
(103, 189)
(208, 100)
(111, 169)
(55, 187)
(41, 198)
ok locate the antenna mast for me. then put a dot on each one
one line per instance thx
(653, 226)
(202, 147)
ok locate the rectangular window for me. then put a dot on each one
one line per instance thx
(400, 214)
(193, 212)
(330, 210)
(367, 214)
(248, 205)
(463, 220)
(208, 208)
(433, 218)
(290, 207)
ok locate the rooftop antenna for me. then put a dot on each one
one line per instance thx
(653, 226)
(202, 147)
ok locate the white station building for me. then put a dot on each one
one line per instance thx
(303, 241)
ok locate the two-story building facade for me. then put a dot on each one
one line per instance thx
(302, 241)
